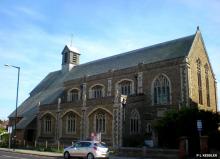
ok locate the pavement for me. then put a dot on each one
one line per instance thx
(54, 154)
(33, 152)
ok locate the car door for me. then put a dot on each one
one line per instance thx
(75, 150)
(85, 148)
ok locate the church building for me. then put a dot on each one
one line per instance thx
(119, 97)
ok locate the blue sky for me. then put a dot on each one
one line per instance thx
(33, 34)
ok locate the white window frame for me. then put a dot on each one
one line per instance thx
(70, 123)
(70, 95)
(135, 122)
(48, 125)
(93, 92)
(118, 86)
(100, 123)
(162, 85)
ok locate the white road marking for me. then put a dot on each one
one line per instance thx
(13, 157)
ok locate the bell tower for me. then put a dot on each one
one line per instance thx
(70, 58)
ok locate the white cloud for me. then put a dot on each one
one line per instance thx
(17, 12)
(38, 51)
(30, 12)
(10, 55)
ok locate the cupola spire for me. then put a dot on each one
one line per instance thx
(70, 57)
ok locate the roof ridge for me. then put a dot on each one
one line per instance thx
(135, 50)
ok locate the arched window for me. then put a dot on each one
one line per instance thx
(100, 123)
(125, 87)
(73, 95)
(97, 91)
(148, 128)
(48, 124)
(71, 123)
(161, 90)
(135, 122)
(199, 81)
(207, 84)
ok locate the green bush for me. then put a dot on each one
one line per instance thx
(184, 123)
(133, 141)
(49, 149)
(4, 140)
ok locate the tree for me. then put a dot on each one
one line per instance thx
(184, 123)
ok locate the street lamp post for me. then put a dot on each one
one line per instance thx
(15, 120)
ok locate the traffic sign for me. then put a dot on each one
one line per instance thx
(199, 125)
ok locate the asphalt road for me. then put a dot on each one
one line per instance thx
(13, 155)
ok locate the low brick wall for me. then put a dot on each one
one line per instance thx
(147, 152)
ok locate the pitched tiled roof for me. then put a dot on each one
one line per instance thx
(47, 92)
(51, 87)
(159, 52)
(46, 82)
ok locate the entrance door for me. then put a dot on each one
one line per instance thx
(30, 135)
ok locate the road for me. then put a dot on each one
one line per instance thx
(14, 155)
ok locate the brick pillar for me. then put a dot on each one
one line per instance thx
(204, 144)
(39, 129)
(183, 147)
(83, 125)
(109, 89)
(140, 82)
(58, 128)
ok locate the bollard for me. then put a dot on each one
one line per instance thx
(58, 145)
(183, 147)
(144, 151)
(204, 144)
(46, 144)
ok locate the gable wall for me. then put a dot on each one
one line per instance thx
(198, 51)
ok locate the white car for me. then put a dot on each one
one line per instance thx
(87, 149)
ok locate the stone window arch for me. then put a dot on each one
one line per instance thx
(161, 90)
(73, 94)
(71, 123)
(135, 122)
(100, 122)
(97, 91)
(125, 87)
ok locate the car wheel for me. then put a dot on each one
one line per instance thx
(66, 155)
(90, 156)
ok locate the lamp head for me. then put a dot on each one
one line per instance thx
(7, 65)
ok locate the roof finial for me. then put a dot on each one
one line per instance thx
(197, 28)
(71, 39)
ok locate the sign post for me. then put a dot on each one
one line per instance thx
(199, 126)
(9, 141)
